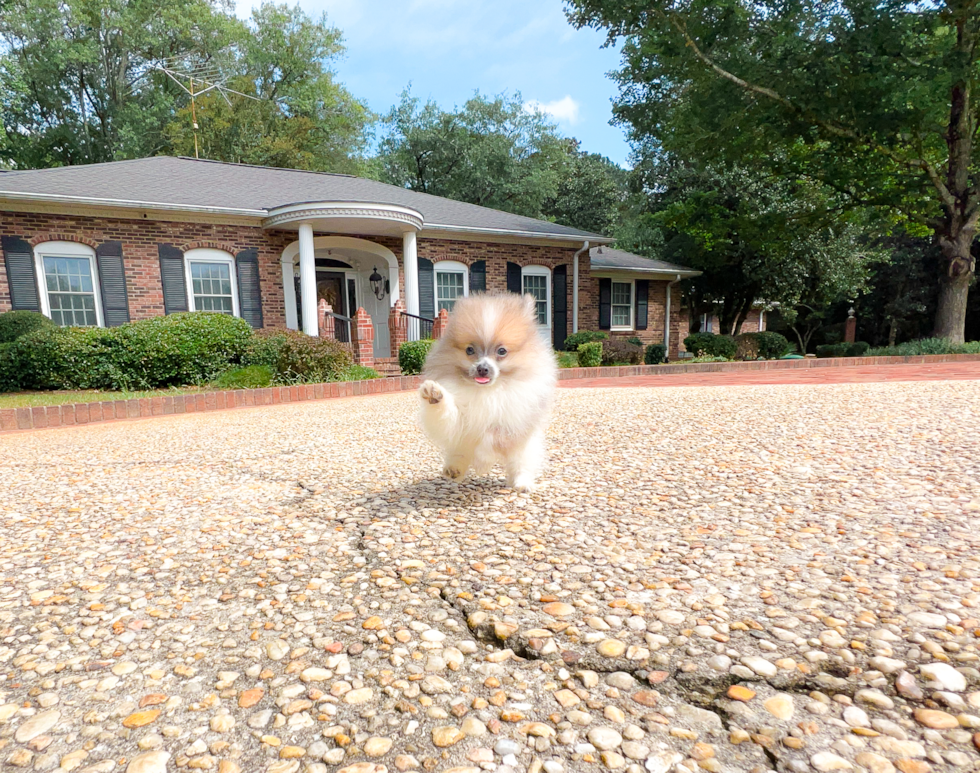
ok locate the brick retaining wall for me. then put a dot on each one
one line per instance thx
(42, 417)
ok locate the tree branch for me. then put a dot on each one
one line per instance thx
(948, 200)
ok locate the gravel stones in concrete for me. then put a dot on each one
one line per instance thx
(748, 579)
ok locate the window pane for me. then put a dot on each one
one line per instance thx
(449, 287)
(211, 286)
(537, 286)
(621, 293)
(71, 291)
(621, 316)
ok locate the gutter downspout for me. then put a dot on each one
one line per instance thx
(585, 246)
(667, 320)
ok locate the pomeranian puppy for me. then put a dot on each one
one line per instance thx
(487, 390)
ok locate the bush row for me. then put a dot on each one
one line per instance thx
(185, 349)
(766, 345)
(856, 349)
(925, 346)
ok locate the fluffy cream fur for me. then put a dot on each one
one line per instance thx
(487, 390)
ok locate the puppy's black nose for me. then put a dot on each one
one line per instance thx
(482, 370)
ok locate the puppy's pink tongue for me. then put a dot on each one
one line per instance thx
(482, 380)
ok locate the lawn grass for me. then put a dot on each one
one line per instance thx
(32, 399)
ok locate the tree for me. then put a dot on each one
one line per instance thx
(590, 193)
(875, 99)
(290, 111)
(755, 239)
(75, 80)
(493, 152)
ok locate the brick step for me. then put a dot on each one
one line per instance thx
(387, 366)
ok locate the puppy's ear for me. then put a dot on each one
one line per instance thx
(531, 306)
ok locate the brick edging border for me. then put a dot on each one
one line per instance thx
(73, 414)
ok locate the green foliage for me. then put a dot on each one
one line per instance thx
(655, 354)
(924, 346)
(10, 376)
(249, 377)
(14, 324)
(176, 350)
(860, 349)
(832, 350)
(357, 373)
(616, 351)
(412, 354)
(871, 98)
(493, 152)
(590, 193)
(296, 358)
(590, 354)
(567, 359)
(772, 345)
(635, 340)
(575, 340)
(302, 119)
(711, 345)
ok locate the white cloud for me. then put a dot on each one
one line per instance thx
(565, 109)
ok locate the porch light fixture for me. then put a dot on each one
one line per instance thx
(379, 285)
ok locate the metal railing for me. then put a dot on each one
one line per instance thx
(341, 327)
(418, 327)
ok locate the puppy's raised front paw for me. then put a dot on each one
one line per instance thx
(431, 392)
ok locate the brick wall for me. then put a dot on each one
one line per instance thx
(656, 304)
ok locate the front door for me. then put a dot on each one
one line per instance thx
(330, 287)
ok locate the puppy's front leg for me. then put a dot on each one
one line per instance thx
(439, 413)
(524, 463)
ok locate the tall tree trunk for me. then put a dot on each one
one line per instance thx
(892, 331)
(954, 285)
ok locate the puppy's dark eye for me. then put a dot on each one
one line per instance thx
(501, 352)
(470, 351)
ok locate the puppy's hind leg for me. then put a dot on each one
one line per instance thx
(524, 463)
(456, 463)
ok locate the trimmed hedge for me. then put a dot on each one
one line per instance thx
(590, 354)
(296, 358)
(746, 347)
(412, 354)
(9, 369)
(655, 354)
(711, 345)
(575, 340)
(857, 349)
(14, 324)
(772, 345)
(926, 346)
(616, 350)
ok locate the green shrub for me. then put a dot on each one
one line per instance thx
(655, 354)
(970, 347)
(616, 351)
(64, 358)
(635, 340)
(567, 359)
(14, 324)
(412, 354)
(358, 373)
(858, 349)
(772, 345)
(711, 345)
(590, 354)
(832, 350)
(575, 340)
(249, 377)
(922, 346)
(746, 347)
(9, 369)
(296, 358)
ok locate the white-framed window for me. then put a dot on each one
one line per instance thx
(622, 305)
(211, 281)
(451, 282)
(536, 281)
(69, 283)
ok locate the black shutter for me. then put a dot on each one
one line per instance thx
(249, 292)
(427, 290)
(642, 302)
(173, 279)
(559, 306)
(605, 304)
(18, 257)
(478, 276)
(514, 284)
(112, 281)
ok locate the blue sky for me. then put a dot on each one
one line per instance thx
(449, 48)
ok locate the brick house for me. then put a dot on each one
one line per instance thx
(105, 244)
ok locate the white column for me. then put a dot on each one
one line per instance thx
(410, 259)
(289, 294)
(307, 279)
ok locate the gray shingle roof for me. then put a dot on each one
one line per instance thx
(169, 182)
(610, 259)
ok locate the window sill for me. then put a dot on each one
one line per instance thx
(621, 330)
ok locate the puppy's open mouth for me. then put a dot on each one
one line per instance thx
(482, 379)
